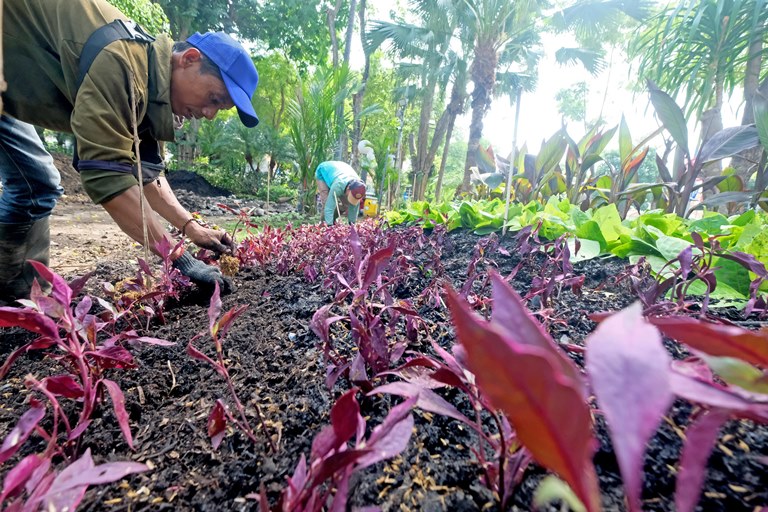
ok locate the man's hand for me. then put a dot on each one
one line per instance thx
(201, 274)
(212, 239)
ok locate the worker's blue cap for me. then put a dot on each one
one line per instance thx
(237, 70)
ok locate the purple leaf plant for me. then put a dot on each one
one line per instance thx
(338, 451)
(218, 326)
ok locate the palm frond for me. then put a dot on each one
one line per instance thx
(592, 60)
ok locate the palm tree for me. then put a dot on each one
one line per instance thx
(599, 27)
(314, 128)
(703, 49)
(447, 120)
(426, 46)
(494, 24)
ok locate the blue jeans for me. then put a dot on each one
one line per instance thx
(31, 183)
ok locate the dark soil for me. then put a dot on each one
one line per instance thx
(276, 364)
(70, 178)
(192, 182)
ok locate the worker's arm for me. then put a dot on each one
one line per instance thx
(353, 211)
(335, 194)
(164, 202)
(125, 209)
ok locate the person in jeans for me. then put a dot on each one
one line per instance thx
(80, 66)
(339, 188)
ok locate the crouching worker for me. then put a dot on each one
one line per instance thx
(80, 66)
(340, 188)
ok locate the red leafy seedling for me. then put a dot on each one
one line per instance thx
(629, 370)
(81, 350)
(716, 339)
(323, 484)
(218, 326)
(632, 377)
(700, 436)
(47, 490)
(217, 423)
(545, 405)
(518, 323)
(21, 432)
(69, 486)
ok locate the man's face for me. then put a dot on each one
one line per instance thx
(352, 199)
(194, 94)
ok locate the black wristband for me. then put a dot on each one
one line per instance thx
(184, 226)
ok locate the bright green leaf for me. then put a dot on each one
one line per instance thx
(552, 488)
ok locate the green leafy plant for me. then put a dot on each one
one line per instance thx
(313, 124)
(683, 178)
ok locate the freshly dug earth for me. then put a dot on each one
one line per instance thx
(194, 183)
(276, 364)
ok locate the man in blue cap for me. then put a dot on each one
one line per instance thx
(80, 66)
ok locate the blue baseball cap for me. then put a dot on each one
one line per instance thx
(237, 70)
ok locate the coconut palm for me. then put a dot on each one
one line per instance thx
(426, 46)
(703, 49)
(494, 24)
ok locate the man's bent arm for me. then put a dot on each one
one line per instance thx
(125, 210)
(164, 202)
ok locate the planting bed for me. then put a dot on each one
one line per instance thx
(277, 363)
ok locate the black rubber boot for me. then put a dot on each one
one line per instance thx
(19, 243)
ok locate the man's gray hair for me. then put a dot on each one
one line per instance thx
(207, 67)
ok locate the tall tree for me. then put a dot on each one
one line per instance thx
(359, 96)
(342, 151)
(292, 27)
(494, 24)
(704, 50)
(278, 79)
(144, 12)
(425, 49)
(189, 16)
(455, 107)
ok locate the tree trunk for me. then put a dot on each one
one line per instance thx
(412, 150)
(342, 148)
(278, 119)
(421, 163)
(445, 124)
(446, 148)
(483, 72)
(357, 98)
(350, 30)
(745, 162)
(711, 123)
(399, 151)
(331, 16)
(188, 147)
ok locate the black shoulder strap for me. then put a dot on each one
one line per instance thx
(101, 37)
(97, 41)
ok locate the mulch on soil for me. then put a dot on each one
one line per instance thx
(276, 363)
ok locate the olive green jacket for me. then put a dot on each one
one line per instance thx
(42, 41)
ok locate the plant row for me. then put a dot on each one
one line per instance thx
(530, 400)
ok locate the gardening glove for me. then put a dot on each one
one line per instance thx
(205, 276)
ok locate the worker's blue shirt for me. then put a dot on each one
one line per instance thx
(336, 175)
